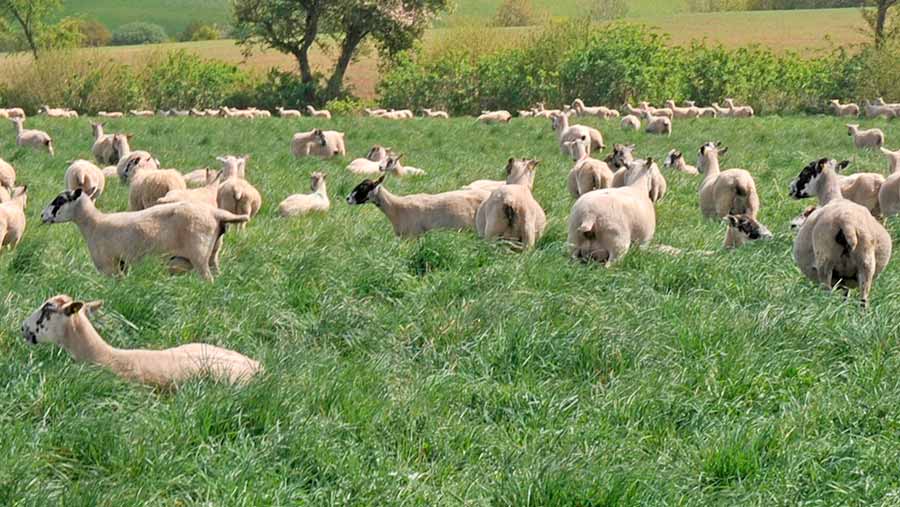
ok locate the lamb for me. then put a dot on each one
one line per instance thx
(889, 194)
(35, 139)
(621, 157)
(631, 122)
(238, 196)
(12, 218)
(429, 113)
(414, 215)
(739, 111)
(566, 133)
(318, 113)
(518, 172)
(657, 124)
(682, 112)
(289, 113)
(66, 323)
(604, 224)
(318, 143)
(371, 164)
(149, 185)
(512, 214)
(675, 160)
(301, 204)
(871, 138)
(114, 114)
(588, 174)
(489, 117)
(742, 229)
(86, 176)
(141, 113)
(205, 195)
(7, 175)
(844, 109)
(393, 166)
(105, 149)
(722, 193)
(841, 244)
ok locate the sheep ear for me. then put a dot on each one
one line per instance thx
(129, 136)
(72, 308)
(380, 180)
(731, 220)
(532, 164)
(77, 194)
(649, 161)
(718, 143)
(630, 146)
(843, 165)
(93, 307)
(723, 151)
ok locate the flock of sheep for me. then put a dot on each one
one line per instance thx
(183, 217)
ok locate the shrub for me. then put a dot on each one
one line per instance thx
(95, 33)
(63, 35)
(517, 13)
(198, 31)
(347, 106)
(139, 33)
(182, 80)
(280, 89)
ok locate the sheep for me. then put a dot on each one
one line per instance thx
(675, 160)
(7, 175)
(393, 166)
(599, 111)
(604, 224)
(414, 215)
(657, 124)
(12, 112)
(318, 113)
(798, 221)
(895, 107)
(131, 159)
(35, 139)
(742, 229)
(197, 178)
(871, 138)
(233, 167)
(843, 109)
(489, 117)
(318, 143)
(863, 189)
(518, 172)
(179, 113)
(664, 111)
(889, 194)
(841, 244)
(262, 113)
(739, 111)
(86, 176)
(722, 112)
(238, 196)
(205, 195)
(875, 110)
(288, 113)
(105, 149)
(371, 164)
(682, 112)
(631, 122)
(566, 133)
(198, 113)
(702, 112)
(148, 185)
(66, 323)
(429, 113)
(141, 113)
(621, 157)
(588, 173)
(301, 204)
(525, 114)
(722, 193)
(512, 214)
(114, 114)
(374, 112)
(57, 112)
(12, 218)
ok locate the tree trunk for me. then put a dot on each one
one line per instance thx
(302, 53)
(348, 48)
(25, 23)
(881, 20)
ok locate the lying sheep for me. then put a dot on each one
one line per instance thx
(301, 204)
(148, 185)
(518, 172)
(682, 112)
(35, 139)
(844, 109)
(841, 244)
(197, 178)
(621, 157)
(414, 215)
(12, 218)
(371, 164)
(7, 175)
(141, 113)
(182, 232)
(566, 133)
(105, 148)
(318, 113)
(57, 112)
(798, 221)
(871, 138)
(393, 166)
(889, 194)
(86, 176)
(403, 114)
(374, 112)
(66, 323)
(599, 111)
(658, 124)
(743, 229)
(12, 112)
(722, 112)
(605, 224)
(739, 111)
(318, 143)
(702, 112)
(237, 195)
(430, 113)
(207, 195)
(663, 111)
(233, 167)
(588, 174)
(722, 193)
(512, 214)
(494, 117)
(675, 160)
(288, 113)
(112, 114)
(631, 122)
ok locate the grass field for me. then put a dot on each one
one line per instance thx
(447, 371)
(173, 15)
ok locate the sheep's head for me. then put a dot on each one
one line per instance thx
(320, 137)
(134, 163)
(521, 171)
(807, 181)
(233, 167)
(672, 158)
(390, 164)
(377, 153)
(621, 155)
(852, 127)
(801, 219)
(49, 322)
(712, 149)
(317, 180)
(748, 227)
(364, 192)
(578, 148)
(636, 169)
(62, 208)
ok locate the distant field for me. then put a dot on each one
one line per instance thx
(173, 15)
(485, 9)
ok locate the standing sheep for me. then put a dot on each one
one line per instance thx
(566, 133)
(889, 194)
(839, 109)
(871, 138)
(657, 124)
(512, 214)
(104, 149)
(148, 185)
(7, 175)
(318, 113)
(12, 218)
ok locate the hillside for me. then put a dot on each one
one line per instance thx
(173, 15)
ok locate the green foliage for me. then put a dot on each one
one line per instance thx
(347, 106)
(139, 32)
(94, 33)
(517, 13)
(606, 10)
(183, 80)
(198, 31)
(281, 89)
(66, 34)
(29, 21)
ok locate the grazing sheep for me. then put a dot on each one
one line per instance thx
(871, 138)
(414, 215)
(739, 111)
(318, 113)
(631, 122)
(182, 232)
(512, 214)
(35, 139)
(288, 113)
(844, 109)
(494, 117)
(393, 166)
(889, 194)
(66, 323)
(682, 112)
(318, 143)
(657, 124)
(841, 244)
(675, 160)
(12, 218)
(722, 193)
(518, 172)
(86, 176)
(605, 224)
(621, 157)
(566, 133)
(7, 175)
(301, 204)
(148, 185)
(205, 195)
(371, 164)
(588, 174)
(743, 229)
(131, 159)
(430, 113)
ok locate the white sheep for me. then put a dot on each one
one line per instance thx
(111, 114)
(722, 193)
(598, 111)
(105, 149)
(566, 133)
(141, 113)
(742, 229)
(12, 112)
(65, 322)
(318, 113)
(318, 143)
(131, 159)
(301, 204)
(722, 112)
(605, 224)
(682, 112)
(7, 175)
(511, 214)
(238, 196)
(207, 194)
(841, 244)
(863, 189)
(371, 164)
(518, 172)
(675, 160)
(662, 111)
(588, 173)
(702, 111)
(86, 176)
(494, 117)
(57, 112)
(35, 139)
(430, 113)
(876, 110)
(739, 111)
(414, 215)
(621, 158)
(631, 122)
(147, 185)
(871, 138)
(657, 124)
(889, 194)
(393, 166)
(12, 218)
(844, 109)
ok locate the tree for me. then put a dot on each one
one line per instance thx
(294, 26)
(30, 16)
(877, 19)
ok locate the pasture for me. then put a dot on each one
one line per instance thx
(449, 371)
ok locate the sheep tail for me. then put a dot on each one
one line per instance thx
(741, 190)
(847, 237)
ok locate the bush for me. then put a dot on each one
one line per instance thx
(281, 89)
(139, 33)
(198, 31)
(182, 80)
(95, 33)
(63, 35)
(517, 13)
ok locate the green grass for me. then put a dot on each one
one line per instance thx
(173, 15)
(448, 371)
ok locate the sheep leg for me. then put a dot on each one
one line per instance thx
(529, 235)
(825, 270)
(3, 230)
(214, 256)
(865, 275)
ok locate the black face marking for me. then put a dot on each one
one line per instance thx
(321, 137)
(60, 201)
(800, 185)
(360, 194)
